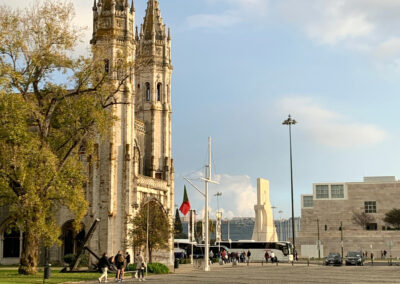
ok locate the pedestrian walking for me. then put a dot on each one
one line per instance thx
(119, 261)
(211, 256)
(272, 256)
(103, 266)
(248, 256)
(140, 266)
(266, 256)
(128, 260)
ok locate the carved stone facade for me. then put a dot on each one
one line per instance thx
(135, 163)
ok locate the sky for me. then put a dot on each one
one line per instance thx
(242, 66)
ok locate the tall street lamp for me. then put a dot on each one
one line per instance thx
(291, 122)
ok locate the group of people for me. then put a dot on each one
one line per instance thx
(121, 263)
(227, 257)
(270, 255)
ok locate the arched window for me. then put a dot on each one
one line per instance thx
(11, 243)
(107, 65)
(159, 92)
(72, 241)
(148, 92)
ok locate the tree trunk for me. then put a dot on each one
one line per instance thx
(29, 256)
(150, 254)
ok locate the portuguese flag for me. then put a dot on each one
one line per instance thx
(185, 207)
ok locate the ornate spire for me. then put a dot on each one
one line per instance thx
(132, 7)
(153, 24)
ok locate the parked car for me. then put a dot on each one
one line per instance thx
(333, 259)
(354, 258)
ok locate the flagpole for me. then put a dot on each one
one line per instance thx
(207, 241)
(207, 180)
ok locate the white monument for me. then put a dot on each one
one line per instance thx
(264, 227)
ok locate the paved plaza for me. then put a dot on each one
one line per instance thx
(284, 273)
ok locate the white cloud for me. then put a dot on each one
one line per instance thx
(238, 195)
(330, 128)
(367, 26)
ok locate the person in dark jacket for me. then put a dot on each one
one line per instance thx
(128, 260)
(103, 265)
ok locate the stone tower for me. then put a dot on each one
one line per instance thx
(153, 93)
(135, 164)
(111, 176)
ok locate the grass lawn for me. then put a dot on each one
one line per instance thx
(11, 276)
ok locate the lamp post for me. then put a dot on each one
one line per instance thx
(291, 122)
(280, 226)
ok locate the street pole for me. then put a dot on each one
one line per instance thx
(147, 236)
(207, 179)
(291, 122)
(319, 242)
(229, 230)
(341, 235)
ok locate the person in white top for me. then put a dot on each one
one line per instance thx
(140, 266)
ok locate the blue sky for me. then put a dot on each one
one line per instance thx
(241, 66)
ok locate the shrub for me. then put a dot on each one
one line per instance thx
(69, 259)
(157, 268)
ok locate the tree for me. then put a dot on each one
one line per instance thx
(362, 219)
(151, 214)
(53, 105)
(199, 229)
(178, 228)
(393, 218)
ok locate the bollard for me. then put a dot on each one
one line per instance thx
(292, 263)
(262, 263)
(47, 271)
(276, 263)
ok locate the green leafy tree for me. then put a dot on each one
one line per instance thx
(151, 216)
(393, 218)
(52, 107)
(178, 228)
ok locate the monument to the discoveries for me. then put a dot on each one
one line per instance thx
(264, 227)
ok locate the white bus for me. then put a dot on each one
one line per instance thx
(283, 250)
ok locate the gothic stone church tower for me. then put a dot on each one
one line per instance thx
(135, 164)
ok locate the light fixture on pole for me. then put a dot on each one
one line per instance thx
(218, 194)
(290, 121)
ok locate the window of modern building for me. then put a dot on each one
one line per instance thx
(148, 92)
(326, 227)
(337, 191)
(159, 92)
(370, 206)
(322, 191)
(308, 201)
(372, 227)
(11, 243)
